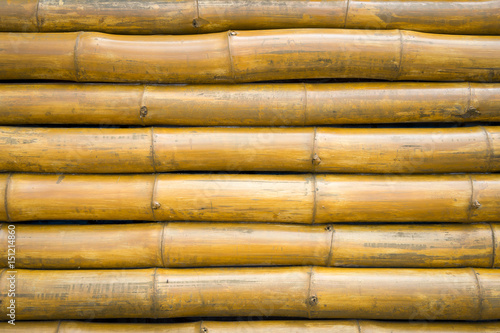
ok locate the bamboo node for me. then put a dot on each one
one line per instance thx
(316, 160)
(313, 300)
(144, 111)
(476, 205)
(471, 112)
(156, 205)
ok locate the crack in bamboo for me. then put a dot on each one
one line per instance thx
(6, 203)
(494, 264)
(348, 2)
(330, 252)
(76, 51)
(489, 150)
(480, 295)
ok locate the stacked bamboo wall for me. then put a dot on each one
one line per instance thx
(271, 193)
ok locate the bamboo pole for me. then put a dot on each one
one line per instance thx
(249, 104)
(311, 292)
(280, 326)
(202, 16)
(247, 56)
(312, 149)
(251, 198)
(228, 244)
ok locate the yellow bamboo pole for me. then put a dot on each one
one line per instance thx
(201, 16)
(249, 104)
(247, 56)
(251, 198)
(311, 149)
(311, 292)
(229, 244)
(308, 326)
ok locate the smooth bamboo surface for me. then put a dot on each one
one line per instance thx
(227, 244)
(305, 199)
(310, 149)
(247, 56)
(291, 104)
(311, 292)
(201, 16)
(278, 326)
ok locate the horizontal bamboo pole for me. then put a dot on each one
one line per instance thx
(195, 16)
(251, 198)
(293, 104)
(226, 244)
(311, 149)
(311, 292)
(312, 326)
(247, 56)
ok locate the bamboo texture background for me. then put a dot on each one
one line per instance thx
(108, 111)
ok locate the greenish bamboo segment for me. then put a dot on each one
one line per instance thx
(202, 16)
(228, 244)
(249, 56)
(249, 104)
(300, 198)
(281, 326)
(310, 292)
(310, 149)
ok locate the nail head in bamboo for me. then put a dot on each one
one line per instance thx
(227, 244)
(445, 294)
(247, 56)
(202, 16)
(249, 104)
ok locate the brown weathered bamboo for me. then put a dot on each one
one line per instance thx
(310, 149)
(195, 16)
(251, 198)
(307, 326)
(247, 56)
(312, 292)
(226, 244)
(249, 104)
